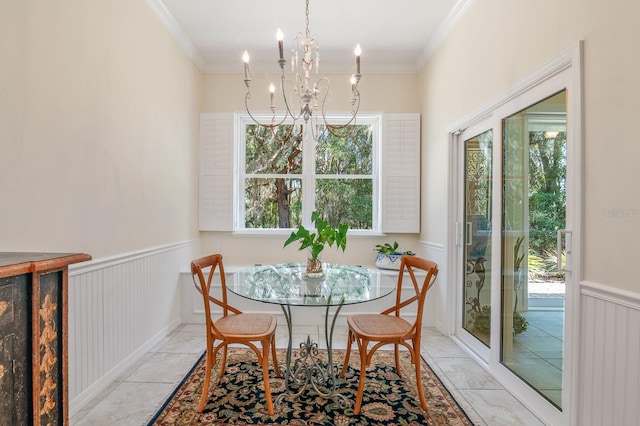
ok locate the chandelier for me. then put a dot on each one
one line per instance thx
(302, 98)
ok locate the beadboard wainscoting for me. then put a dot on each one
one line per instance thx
(437, 306)
(119, 308)
(609, 360)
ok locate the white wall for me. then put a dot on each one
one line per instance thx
(99, 128)
(378, 92)
(496, 44)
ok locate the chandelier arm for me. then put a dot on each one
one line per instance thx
(355, 106)
(273, 123)
(287, 135)
(273, 126)
(352, 120)
(288, 112)
(335, 129)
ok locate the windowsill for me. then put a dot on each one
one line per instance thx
(270, 232)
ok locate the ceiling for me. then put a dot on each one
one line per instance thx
(395, 36)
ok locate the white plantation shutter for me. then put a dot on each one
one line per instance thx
(216, 172)
(401, 173)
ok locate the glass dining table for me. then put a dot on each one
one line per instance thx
(288, 286)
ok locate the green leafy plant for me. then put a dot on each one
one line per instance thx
(545, 266)
(520, 323)
(324, 236)
(388, 249)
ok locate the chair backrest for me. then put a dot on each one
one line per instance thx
(407, 267)
(203, 285)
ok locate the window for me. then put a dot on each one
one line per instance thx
(284, 177)
(376, 187)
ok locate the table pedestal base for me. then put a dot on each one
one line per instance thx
(309, 371)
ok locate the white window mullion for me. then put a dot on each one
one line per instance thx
(308, 176)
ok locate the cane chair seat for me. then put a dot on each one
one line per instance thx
(379, 325)
(249, 326)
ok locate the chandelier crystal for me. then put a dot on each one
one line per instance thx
(307, 99)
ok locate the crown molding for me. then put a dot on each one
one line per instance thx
(177, 32)
(442, 32)
(433, 44)
(327, 68)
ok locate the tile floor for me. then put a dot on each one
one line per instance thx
(538, 353)
(134, 399)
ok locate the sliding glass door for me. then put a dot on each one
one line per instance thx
(478, 175)
(534, 193)
(512, 193)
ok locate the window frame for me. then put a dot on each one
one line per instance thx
(308, 175)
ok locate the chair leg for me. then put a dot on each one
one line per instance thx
(423, 401)
(265, 375)
(276, 367)
(397, 356)
(207, 380)
(362, 348)
(345, 364)
(223, 364)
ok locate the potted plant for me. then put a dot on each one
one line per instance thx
(315, 242)
(389, 256)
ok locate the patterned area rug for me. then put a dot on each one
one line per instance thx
(238, 398)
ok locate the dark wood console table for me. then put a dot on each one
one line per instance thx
(33, 337)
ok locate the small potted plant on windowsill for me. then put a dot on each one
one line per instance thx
(389, 256)
(315, 242)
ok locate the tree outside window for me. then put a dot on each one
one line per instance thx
(286, 174)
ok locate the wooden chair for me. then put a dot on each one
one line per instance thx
(389, 328)
(232, 327)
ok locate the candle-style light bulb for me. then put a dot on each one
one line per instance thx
(272, 93)
(245, 58)
(358, 52)
(280, 38)
(353, 83)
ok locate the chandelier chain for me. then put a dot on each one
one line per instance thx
(308, 32)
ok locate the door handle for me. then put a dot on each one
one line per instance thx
(559, 234)
(469, 233)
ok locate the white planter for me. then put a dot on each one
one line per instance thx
(391, 261)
